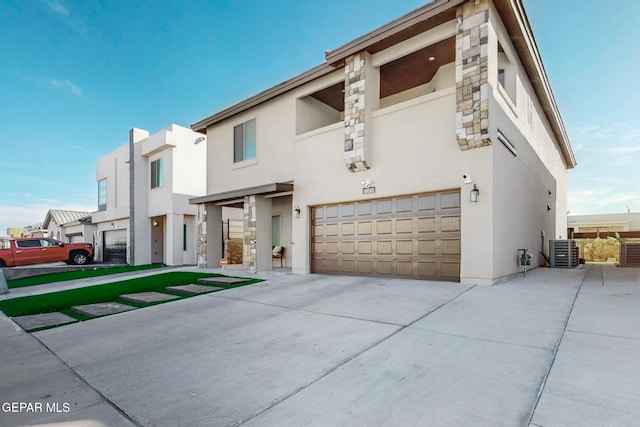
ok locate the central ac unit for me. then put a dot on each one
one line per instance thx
(563, 254)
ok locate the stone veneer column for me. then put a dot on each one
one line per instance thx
(472, 87)
(360, 79)
(249, 225)
(202, 235)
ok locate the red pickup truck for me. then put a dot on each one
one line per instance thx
(38, 250)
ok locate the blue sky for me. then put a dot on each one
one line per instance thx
(75, 76)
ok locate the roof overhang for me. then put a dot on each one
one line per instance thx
(264, 96)
(261, 190)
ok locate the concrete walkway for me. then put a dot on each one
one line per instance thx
(559, 347)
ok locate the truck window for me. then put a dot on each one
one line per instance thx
(28, 243)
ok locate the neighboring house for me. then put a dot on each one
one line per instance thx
(15, 232)
(148, 219)
(429, 148)
(603, 223)
(69, 226)
(35, 230)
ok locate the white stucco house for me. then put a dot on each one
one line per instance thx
(69, 226)
(144, 215)
(429, 148)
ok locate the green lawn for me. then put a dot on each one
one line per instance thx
(77, 274)
(64, 300)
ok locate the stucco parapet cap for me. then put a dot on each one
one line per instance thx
(261, 190)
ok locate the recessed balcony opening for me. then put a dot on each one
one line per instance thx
(425, 71)
(506, 74)
(320, 109)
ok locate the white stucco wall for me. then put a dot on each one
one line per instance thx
(535, 177)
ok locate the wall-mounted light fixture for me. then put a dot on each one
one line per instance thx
(113, 226)
(474, 194)
(154, 223)
(297, 211)
(199, 140)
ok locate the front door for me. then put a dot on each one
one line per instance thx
(157, 240)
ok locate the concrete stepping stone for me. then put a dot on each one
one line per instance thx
(101, 309)
(192, 289)
(34, 321)
(148, 297)
(222, 280)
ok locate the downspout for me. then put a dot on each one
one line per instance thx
(132, 222)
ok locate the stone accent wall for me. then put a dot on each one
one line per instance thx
(202, 235)
(472, 87)
(234, 251)
(354, 113)
(249, 222)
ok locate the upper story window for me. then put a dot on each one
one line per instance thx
(156, 173)
(102, 195)
(244, 141)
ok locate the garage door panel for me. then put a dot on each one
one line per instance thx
(410, 236)
(404, 205)
(384, 206)
(450, 223)
(450, 270)
(364, 228)
(384, 268)
(450, 200)
(348, 210)
(365, 267)
(348, 229)
(404, 226)
(349, 247)
(331, 229)
(384, 226)
(404, 247)
(364, 208)
(427, 203)
(404, 268)
(450, 247)
(384, 247)
(427, 225)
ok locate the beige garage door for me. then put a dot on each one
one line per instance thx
(407, 237)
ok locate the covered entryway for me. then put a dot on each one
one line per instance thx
(415, 236)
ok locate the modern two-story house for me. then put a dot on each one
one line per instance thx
(429, 148)
(144, 215)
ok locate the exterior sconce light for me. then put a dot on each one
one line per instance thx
(474, 194)
(297, 211)
(154, 223)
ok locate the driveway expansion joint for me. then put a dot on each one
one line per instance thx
(603, 335)
(557, 346)
(88, 384)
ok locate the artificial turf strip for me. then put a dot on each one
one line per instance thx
(77, 274)
(64, 300)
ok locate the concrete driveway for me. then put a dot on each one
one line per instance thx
(559, 347)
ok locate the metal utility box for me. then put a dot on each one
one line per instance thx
(563, 254)
(630, 255)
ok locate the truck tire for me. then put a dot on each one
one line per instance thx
(2, 263)
(79, 258)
